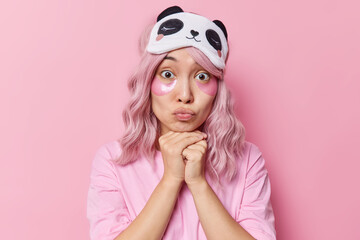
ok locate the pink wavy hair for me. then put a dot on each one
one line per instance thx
(226, 134)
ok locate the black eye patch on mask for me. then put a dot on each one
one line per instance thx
(170, 26)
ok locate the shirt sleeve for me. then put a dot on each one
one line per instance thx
(107, 212)
(256, 214)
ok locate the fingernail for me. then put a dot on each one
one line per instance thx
(204, 134)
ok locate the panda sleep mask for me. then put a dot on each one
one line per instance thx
(176, 29)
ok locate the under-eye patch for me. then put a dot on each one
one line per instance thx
(160, 88)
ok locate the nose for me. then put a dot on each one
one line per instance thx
(194, 33)
(184, 91)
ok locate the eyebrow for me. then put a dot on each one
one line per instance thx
(170, 58)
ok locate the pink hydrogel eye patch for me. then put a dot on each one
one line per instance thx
(210, 87)
(160, 88)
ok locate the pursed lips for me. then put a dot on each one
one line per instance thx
(183, 111)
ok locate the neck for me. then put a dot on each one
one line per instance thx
(157, 145)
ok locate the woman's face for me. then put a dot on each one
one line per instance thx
(180, 82)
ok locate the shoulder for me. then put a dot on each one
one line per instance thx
(252, 156)
(105, 154)
(252, 148)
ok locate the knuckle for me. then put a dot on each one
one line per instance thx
(196, 136)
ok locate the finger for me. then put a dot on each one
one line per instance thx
(192, 154)
(187, 132)
(172, 136)
(168, 136)
(202, 143)
(200, 146)
(185, 135)
(185, 139)
(203, 133)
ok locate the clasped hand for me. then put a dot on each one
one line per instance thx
(184, 156)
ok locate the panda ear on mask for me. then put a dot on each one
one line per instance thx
(222, 27)
(169, 11)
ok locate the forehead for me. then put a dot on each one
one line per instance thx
(180, 56)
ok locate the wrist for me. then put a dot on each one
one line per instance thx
(172, 181)
(197, 185)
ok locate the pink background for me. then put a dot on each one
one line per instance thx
(293, 71)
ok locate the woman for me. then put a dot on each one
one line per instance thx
(182, 169)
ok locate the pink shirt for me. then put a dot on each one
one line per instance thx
(117, 194)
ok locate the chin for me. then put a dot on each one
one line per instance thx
(187, 127)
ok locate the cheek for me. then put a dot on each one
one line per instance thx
(209, 88)
(159, 88)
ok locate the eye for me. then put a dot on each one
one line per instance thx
(167, 74)
(203, 76)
